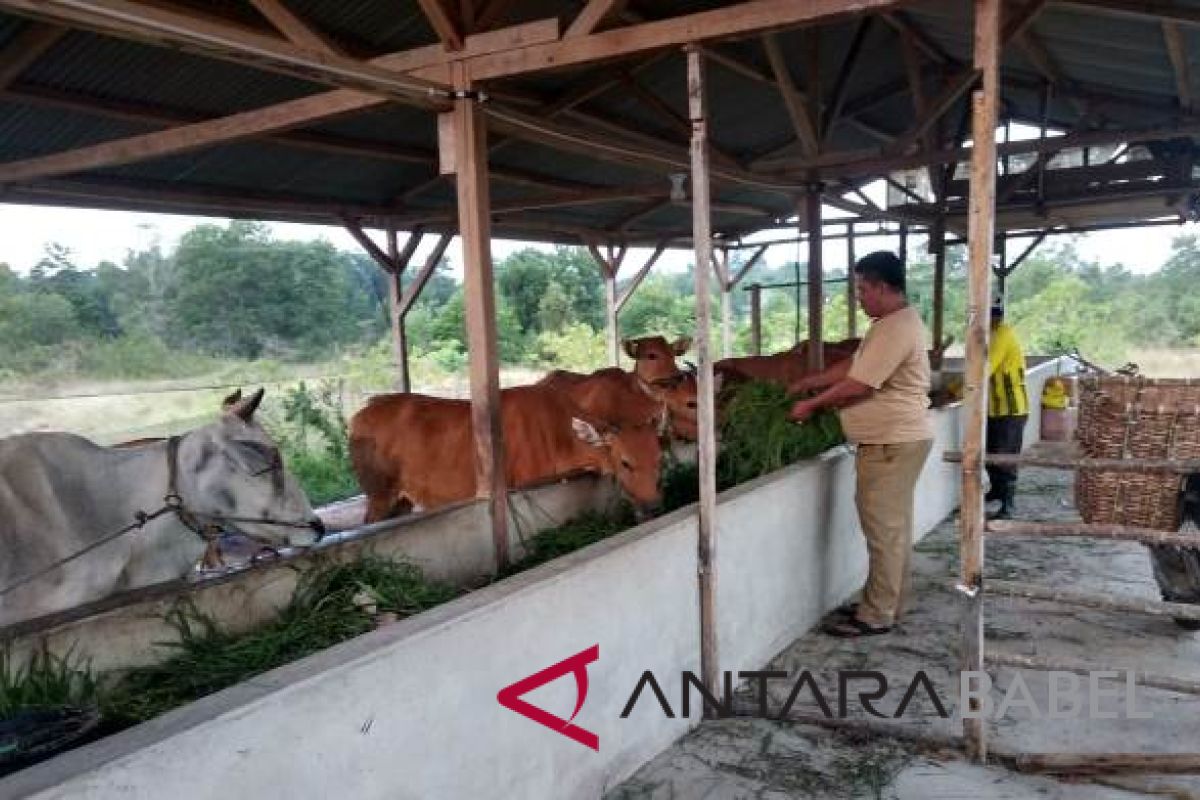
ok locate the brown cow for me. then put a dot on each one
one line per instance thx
(654, 357)
(782, 368)
(411, 450)
(622, 398)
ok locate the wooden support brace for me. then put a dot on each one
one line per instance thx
(1103, 602)
(1183, 466)
(417, 285)
(637, 279)
(1107, 763)
(1166, 682)
(1125, 533)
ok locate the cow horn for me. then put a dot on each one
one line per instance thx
(246, 406)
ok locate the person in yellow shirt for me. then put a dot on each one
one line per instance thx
(1008, 410)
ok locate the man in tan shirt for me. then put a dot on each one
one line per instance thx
(882, 395)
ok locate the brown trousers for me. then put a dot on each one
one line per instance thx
(887, 481)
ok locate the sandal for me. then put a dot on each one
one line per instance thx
(847, 610)
(854, 627)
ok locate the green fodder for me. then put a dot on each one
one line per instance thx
(587, 528)
(757, 436)
(46, 681)
(330, 605)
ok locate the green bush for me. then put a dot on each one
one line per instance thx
(313, 436)
(576, 347)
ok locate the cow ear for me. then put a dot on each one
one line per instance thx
(246, 406)
(630, 346)
(587, 432)
(682, 345)
(231, 399)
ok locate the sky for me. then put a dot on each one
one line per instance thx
(95, 236)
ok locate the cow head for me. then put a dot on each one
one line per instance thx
(633, 455)
(232, 469)
(678, 396)
(654, 357)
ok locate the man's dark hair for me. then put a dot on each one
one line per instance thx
(882, 266)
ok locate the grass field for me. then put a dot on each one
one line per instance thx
(116, 411)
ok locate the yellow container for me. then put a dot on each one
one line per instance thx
(1055, 394)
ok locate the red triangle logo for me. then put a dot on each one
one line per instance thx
(510, 696)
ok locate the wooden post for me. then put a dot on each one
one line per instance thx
(981, 226)
(474, 220)
(609, 266)
(816, 287)
(756, 319)
(937, 243)
(399, 335)
(723, 283)
(1001, 267)
(851, 292)
(707, 444)
(903, 249)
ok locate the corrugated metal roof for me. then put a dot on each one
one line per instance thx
(359, 160)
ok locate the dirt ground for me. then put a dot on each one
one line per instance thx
(769, 759)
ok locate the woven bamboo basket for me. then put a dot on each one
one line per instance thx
(1134, 417)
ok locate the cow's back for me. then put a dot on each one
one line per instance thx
(420, 449)
(611, 395)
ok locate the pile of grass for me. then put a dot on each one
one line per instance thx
(330, 605)
(46, 681)
(579, 532)
(756, 438)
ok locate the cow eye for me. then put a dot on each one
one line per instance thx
(691, 404)
(651, 356)
(625, 463)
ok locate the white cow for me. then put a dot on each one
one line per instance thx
(60, 495)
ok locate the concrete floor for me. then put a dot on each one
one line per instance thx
(772, 759)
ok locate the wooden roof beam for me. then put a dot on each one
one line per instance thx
(25, 49)
(1177, 51)
(448, 30)
(842, 86)
(197, 34)
(740, 19)
(294, 29)
(793, 100)
(1018, 22)
(593, 16)
(905, 26)
(260, 121)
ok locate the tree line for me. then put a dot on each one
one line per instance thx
(235, 292)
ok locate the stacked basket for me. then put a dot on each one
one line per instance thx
(1135, 418)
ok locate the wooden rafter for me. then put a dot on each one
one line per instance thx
(842, 86)
(1020, 21)
(907, 27)
(793, 100)
(569, 199)
(639, 276)
(448, 30)
(628, 221)
(1177, 51)
(593, 16)
(197, 34)
(413, 291)
(744, 270)
(257, 122)
(722, 23)
(296, 30)
(25, 49)
(383, 259)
